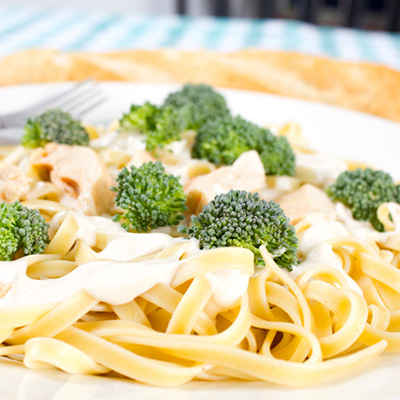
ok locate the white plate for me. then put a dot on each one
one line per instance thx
(328, 129)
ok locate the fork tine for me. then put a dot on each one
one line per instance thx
(68, 102)
(89, 106)
(54, 100)
(64, 102)
(12, 135)
(83, 97)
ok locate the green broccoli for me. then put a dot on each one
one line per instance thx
(160, 125)
(222, 140)
(241, 219)
(276, 154)
(185, 109)
(150, 197)
(141, 118)
(169, 126)
(54, 126)
(21, 228)
(363, 191)
(200, 103)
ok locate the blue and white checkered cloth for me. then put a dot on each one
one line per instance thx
(77, 30)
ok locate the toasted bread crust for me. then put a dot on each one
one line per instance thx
(370, 88)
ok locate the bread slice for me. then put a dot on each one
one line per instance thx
(366, 87)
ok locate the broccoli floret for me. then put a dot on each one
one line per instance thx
(241, 219)
(8, 244)
(223, 140)
(160, 125)
(150, 197)
(169, 126)
(188, 108)
(54, 126)
(21, 228)
(200, 103)
(142, 118)
(276, 154)
(363, 191)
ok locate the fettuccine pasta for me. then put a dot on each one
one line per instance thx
(155, 308)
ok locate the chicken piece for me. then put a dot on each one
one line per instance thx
(319, 169)
(306, 200)
(79, 172)
(14, 184)
(139, 157)
(246, 173)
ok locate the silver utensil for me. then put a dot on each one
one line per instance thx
(78, 100)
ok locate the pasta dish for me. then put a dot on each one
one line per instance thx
(108, 293)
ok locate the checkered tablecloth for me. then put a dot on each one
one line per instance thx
(71, 30)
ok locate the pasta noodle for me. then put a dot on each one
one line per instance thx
(155, 308)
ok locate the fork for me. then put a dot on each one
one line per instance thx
(78, 100)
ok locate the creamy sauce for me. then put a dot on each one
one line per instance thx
(87, 226)
(117, 280)
(109, 281)
(182, 148)
(227, 284)
(361, 229)
(128, 142)
(113, 278)
(122, 247)
(316, 252)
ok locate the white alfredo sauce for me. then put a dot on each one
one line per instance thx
(363, 229)
(113, 278)
(317, 252)
(228, 286)
(128, 142)
(360, 229)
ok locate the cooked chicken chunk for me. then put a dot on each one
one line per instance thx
(79, 172)
(305, 201)
(246, 173)
(139, 157)
(319, 169)
(14, 184)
